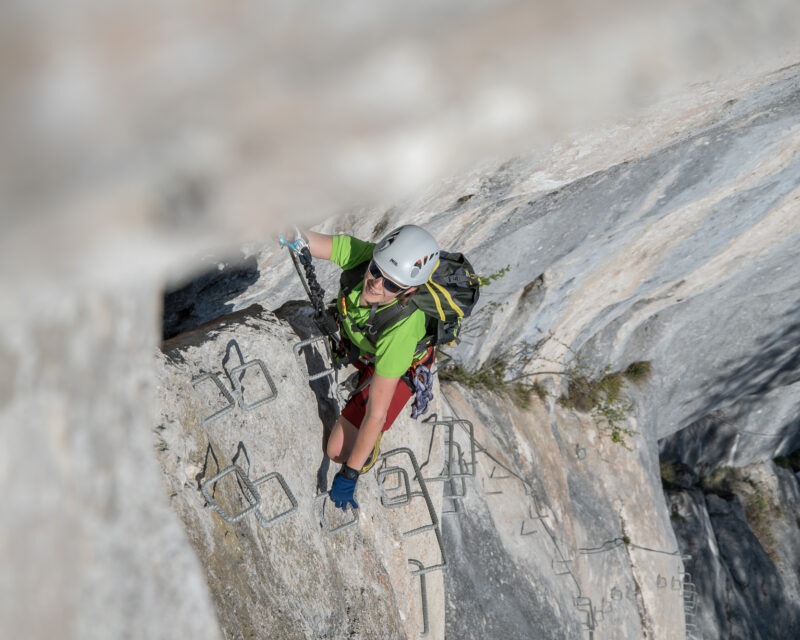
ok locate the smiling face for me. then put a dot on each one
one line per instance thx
(374, 293)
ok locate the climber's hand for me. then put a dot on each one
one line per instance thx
(344, 485)
(298, 245)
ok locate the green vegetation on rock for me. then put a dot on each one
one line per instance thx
(600, 395)
(759, 510)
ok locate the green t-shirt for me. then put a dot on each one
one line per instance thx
(394, 351)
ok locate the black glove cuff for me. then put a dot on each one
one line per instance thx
(347, 472)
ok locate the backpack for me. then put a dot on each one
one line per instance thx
(446, 298)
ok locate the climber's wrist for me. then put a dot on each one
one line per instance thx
(348, 472)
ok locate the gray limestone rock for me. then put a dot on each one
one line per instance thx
(90, 546)
(137, 140)
(275, 572)
(745, 547)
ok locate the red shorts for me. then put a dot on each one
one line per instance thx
(356, 408)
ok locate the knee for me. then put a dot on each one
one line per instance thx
(333, 447)
(331, 451)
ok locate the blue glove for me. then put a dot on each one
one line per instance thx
(344, 485)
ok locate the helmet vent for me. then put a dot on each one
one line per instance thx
(386, 243)
(414, 271)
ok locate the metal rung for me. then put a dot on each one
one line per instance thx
(424, 594)
(297, 348)
(564, 563)
(268, 522)
(215, 379)
(451, 443)
(489, 493)
(522, 531)
(455, 509)
(455, 495)
(434, 525)
(399, 501)
(448, 473)
(320, 511)
(237, 385)
(584, 605)
(251, 494)
(418, 530)
(492, 476)
(537, 515)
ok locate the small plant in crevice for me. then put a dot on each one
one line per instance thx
(522, 393)
(759, 510)
(638, 372)
(790, 461)
(493, 277)
(491, 376)
(667, 472)
(599, 394)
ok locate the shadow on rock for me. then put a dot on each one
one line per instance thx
(741, 389)
(774, 363)
(207, 296)
(300, 316)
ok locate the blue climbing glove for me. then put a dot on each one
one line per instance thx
(344, 485)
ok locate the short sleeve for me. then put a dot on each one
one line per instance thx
(349, 252)
(395, 349)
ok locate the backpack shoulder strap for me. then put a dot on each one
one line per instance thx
(382, 319)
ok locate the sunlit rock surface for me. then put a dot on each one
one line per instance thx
(685, 258)
(290, 579)
(558, 529)
(643, 217)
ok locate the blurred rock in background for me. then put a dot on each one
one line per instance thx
(137, 140)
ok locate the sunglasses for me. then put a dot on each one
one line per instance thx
(388, 285)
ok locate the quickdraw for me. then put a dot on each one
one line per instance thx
(423, 386)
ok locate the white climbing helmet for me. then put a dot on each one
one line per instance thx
(408, 255)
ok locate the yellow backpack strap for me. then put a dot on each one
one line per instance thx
(435, 300)
(449, 299)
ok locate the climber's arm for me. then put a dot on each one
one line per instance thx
(381, 391)
(320, 244)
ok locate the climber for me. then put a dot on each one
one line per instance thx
(393, 270)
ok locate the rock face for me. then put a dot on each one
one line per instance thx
(287, 578)
(543, 539)
(138, 140)
(562, 532)
(743, 536)
(90, 545)
(684, 258)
